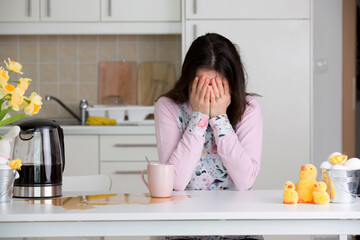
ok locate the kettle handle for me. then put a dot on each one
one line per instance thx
(62, 145)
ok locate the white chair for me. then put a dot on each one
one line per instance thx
(89, 183)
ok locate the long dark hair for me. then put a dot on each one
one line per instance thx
(214, 52)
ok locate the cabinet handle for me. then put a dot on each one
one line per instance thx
(109, 8)
(29, 8)
(48, 8)
(195, 7)
(195, 31)
(127, 172)
(136, 145)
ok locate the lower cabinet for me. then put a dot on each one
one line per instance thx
(123, 158)
(81, 155)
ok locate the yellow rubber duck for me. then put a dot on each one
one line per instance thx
(305, 186)
(290, 195)
(320, 194)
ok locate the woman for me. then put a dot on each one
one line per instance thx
(207, 126)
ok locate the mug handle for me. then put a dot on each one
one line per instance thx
(143, 178)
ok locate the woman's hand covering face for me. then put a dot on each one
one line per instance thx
(200, 95)
(220, 97)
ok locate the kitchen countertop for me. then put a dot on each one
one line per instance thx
(69, 127)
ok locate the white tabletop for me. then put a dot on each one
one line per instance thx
(223, 212)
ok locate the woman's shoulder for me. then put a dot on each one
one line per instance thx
(165, 102)
(252, 103)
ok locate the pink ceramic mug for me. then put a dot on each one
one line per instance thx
(160, 179)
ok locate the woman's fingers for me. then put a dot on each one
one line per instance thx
(204, 88)
(219, 84)
(215, 89)
(207, 95)
(194, 86)
(200, 84)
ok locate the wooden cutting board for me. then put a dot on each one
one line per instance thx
(155, 79)
(117, 79)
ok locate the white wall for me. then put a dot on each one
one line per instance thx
(327, 79)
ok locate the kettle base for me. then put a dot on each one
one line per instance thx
(37, 192)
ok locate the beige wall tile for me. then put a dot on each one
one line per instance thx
(69, 92)
(88, 38)
(48, 52)
(89, 92)
(8, 51)
(34, 87)
(73, 106)
(8, 39)
(168, 38)
(28, 38)
(107, 51)
(48, 110)
(107, 38)
(127, 38)
(88, 52)
(147, 52)
(51, 89)
(68, 53)
(128, 51)
(68, 38)
(30, 70)
(88, 73)
(48, 73)
(28, 52)
(68, 73)
(167, 52)
(48, 38)
(148, 38)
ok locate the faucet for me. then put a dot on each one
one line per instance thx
(83, 106)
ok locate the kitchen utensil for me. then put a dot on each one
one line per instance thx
(117, 79)
(147, 160)
(155, 78)
(7, 177)
(160, 179)
(40, 146)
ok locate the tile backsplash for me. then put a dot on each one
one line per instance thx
(67, 66)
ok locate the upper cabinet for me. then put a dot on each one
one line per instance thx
(90, 17)
(19, 10)
(140, 10)
(69, 10)
(247, 9)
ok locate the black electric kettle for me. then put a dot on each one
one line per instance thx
(40, 146)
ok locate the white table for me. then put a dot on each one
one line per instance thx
(186, 213)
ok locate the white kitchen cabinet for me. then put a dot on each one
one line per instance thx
(19, 10)
(123, 157)
(69, 10)
(276, 55)
(81, 155)
(140, 10)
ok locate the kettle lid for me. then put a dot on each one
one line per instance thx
(38, 123)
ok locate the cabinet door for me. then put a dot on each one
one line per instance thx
(19, 10)
(70, 10)
(125, 176)
(247, 9)
(140, 10)
(276, 55)
(81, 155)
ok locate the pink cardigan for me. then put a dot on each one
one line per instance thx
(240, 149)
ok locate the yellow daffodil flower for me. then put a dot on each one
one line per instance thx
(24, 83)
(8, 88)
(4, 76)
(16, 99)
(15, 164)
(13, 66)
(35, 104)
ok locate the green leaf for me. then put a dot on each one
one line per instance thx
(219, 170)
(11, 119)
(4, 112)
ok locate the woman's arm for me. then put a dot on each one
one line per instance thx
(183, 150)
(240, 150)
